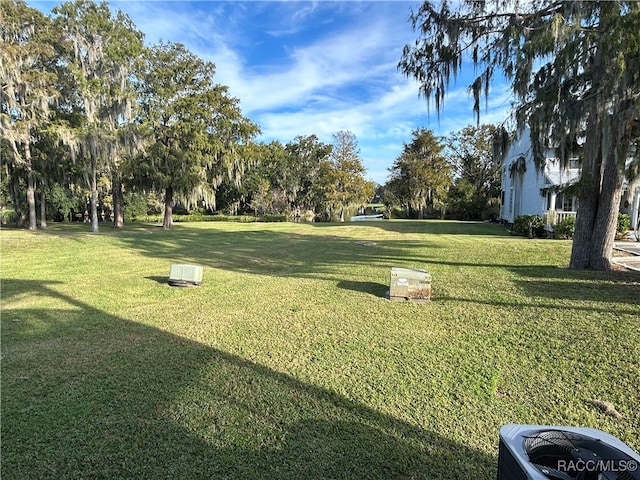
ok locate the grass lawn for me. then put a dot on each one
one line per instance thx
(288, 363)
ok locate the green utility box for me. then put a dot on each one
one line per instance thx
(185, 275)
(410, 284)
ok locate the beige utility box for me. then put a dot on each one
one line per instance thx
(410, 284)
(185, 275)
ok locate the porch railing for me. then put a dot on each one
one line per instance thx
(553, 217)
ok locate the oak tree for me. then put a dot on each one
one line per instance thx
(195, 129)
(476, 170)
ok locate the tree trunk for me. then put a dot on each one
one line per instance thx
(118, 202)
(43, 206)
(606, 221)
(597, 217)
(589, 194)
(168, 208)
(606, 147)
(14, 188)
(31, 199)
(31, 188)
(591, 173)
(94, 197)
(604, 228)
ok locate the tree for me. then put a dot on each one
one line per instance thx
(421, 176)
(476, 171)
(257, 191)
(299, 177)
(282, 179)
(342, 176)
(27, 89)
(195, 129)
(98, 49)
(574, 69)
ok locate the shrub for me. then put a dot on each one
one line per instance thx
(139, 207)
(624, 224)
(529, 226)
(564, 230)
(8, 216)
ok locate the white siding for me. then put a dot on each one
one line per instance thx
(521, 191)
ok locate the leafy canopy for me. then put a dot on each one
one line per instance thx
(421, 175)
(195, 129)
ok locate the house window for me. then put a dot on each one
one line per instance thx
(574, 162)
(568, 203)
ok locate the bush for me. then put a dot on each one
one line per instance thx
(624, 224)
(529, 226)
(565, 229)
(8, 216)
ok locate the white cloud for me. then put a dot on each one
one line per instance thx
(346, 59)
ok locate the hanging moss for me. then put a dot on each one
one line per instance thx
(501, 143)
(518, 167)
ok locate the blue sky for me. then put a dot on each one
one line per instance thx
(302, 68)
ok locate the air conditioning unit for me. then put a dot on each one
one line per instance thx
(185, 275)
(536, 452)
(410, 284)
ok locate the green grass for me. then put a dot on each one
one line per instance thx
(289, 363)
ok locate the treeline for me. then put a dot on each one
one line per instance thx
(457, 176)
(98, 126)
(95, 124)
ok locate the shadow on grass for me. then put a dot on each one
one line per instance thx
(620, 287)
(320, 255)
(284, 253)
(432, 226)
(632, 310)
(89, 395)
(592, 291)
(376, 289)
(271, 252)
(547, 286)
(159, 279)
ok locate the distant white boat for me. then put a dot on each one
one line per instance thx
(359, 218)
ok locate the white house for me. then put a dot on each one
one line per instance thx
(527, 190)
(630, 202)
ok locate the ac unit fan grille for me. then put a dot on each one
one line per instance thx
(551, 451)
(553, 444)
(626, 476)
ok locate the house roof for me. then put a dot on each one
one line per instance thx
(563, 177)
